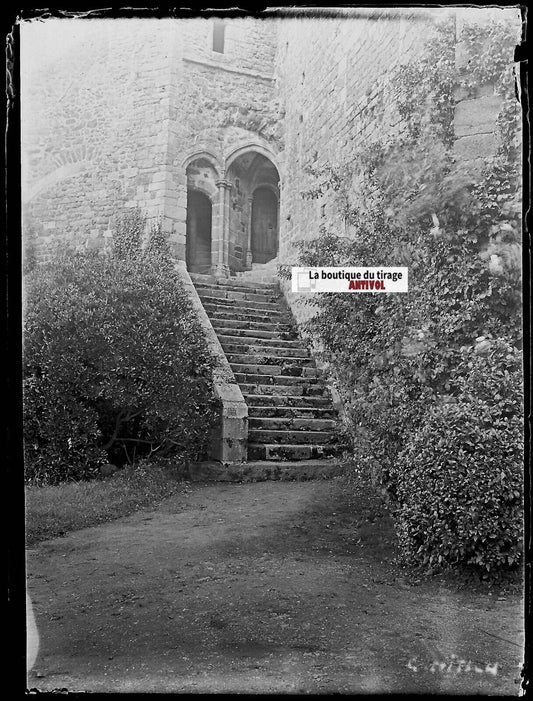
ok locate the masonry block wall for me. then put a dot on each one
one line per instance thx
(477, 109)
(222, 102)
(94, 132)
(332, 77)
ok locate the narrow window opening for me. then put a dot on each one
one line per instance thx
(219, 29)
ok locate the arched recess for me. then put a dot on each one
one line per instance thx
(202, 194)
(199, 232)
(205, 156)
(264, 230)
(249, 148)
(252, 230)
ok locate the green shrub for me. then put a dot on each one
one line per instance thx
(393, 356)
(116, 365)
(459, 477)
(431, 378)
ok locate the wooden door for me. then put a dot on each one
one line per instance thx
(264, 238)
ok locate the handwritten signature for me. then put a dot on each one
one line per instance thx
(453, 666)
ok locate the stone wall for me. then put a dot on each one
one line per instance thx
(477, 108)
(112, 121)
(114, 117)
(333, 79)
(94, 131)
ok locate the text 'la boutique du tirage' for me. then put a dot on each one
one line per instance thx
(349, 279)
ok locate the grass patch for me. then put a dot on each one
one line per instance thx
(56, 510)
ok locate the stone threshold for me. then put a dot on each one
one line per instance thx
(263, 470)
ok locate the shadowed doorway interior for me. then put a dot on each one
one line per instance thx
(264, 238)
(198, 242)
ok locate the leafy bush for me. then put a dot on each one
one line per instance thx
(430, 380)
(116, 365)
(395, 355)
(460, 475)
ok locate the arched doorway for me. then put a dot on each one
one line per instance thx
(264, 225)
(198, 241)
(252, 228)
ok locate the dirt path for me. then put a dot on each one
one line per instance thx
(265, 587)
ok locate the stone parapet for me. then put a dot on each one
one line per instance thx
(230, 440)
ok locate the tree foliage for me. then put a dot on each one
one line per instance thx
(116, 366)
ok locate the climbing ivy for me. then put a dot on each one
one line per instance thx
(400, 361)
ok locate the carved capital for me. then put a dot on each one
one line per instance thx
(224, 184)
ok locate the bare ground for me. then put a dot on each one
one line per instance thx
(261, 587)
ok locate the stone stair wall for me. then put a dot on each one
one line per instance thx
(230, 438)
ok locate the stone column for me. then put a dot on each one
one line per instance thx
(220, 228)
(249, 239)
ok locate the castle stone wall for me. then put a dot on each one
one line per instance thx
(111, 122)
(130, 104)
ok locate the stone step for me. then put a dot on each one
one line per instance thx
(273, 370)
(291, 415)
(230, 304)
(261, 470)
(239, 304)
(256, 399)
(289, 423)
(200, 278)
(261, 279)
(250, 378)
(265, 294)
(239, 344)
(259, 282)
(295, 412)
(236, 323)
(255, 334)
(282, 437)
(258, 316)
(309, 390)
(263, 451)
(266, 358)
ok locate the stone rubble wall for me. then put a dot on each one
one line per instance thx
(94, 133)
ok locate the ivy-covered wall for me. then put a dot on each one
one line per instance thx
(419, 94)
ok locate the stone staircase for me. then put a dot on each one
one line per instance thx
(291, 417)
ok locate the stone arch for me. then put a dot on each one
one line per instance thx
(269, 186)
(69, 170)
(252, 230)
(249, 148)
(202, 154)
(202, 173)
